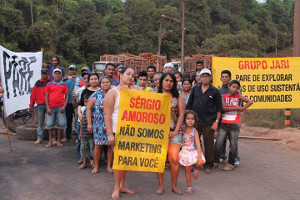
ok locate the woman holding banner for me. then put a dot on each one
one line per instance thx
(111, 109)
(168, 85)
(96, 123)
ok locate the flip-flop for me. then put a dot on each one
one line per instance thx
(48, 145)
(83, 166)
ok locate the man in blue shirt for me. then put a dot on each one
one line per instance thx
(54, 64)
(109, 71)
(69, 108)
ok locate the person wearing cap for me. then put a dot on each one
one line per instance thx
(69, 108)
(206, 101)
(56, 98)
(54, 65)
(109, 71)
(168, 67)
(38, 96)
(79, 80)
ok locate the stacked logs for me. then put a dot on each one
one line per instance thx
(190, 62)
(138, 63)
(156, 60)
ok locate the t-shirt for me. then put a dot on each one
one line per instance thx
(71, 84)
(85, 91)
(56, 91)
(231, 117)
(51, 68)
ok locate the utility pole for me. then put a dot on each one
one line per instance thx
(296, 43)
(296, 50)
(182, 36)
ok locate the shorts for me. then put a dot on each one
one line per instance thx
(177, 139)
(57, 118)
(87, 148)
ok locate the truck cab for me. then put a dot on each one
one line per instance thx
(99, 66)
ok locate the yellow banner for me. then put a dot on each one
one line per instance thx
(271, 83)
(142, 136)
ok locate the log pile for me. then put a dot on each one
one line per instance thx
(190, 62)
(156, 60)
(138, 63)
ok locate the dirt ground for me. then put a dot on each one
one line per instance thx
(269, 170)
(289, 137)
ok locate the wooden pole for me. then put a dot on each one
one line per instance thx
(8, 135)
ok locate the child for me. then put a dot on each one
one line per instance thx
(191, 151)
(86, 138)
(230, 125)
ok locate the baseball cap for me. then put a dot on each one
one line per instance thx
(85, 68)
(57, 70)
(73, 67)
(45, 70)
(205, 71)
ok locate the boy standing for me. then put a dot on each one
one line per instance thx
(231, 121)
(143, 81)
(56, 98)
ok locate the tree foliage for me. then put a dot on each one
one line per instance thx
(81, 30)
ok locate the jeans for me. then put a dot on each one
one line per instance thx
(208, 139)
(40, 111)
(231, 131)
(69, 115)
(57, 118)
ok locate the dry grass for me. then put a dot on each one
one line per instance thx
(270, 118)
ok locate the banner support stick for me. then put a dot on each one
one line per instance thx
(8, 135)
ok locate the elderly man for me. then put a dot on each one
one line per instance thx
(206, 101)
(168, 67)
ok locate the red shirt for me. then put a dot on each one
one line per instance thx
(57, 92)
(231, 117)
(38, 92)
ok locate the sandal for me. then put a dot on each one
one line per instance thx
(83, 166)
(189, 190)
(48, 145)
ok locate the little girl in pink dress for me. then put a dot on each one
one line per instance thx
(190, 153)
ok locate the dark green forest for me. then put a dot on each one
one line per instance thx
(79, 31)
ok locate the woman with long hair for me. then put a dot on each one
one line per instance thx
(95, 118)
(168, 85)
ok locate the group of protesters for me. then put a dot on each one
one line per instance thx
(92, 102)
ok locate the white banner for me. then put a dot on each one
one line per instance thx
(19, 72)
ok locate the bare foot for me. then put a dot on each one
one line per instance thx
(196, 174)
(95, 171)
(159, 191)
(176, 191)
(115, 194)
(110, 170)
(59, 144)
(126, 190)
(49, 145)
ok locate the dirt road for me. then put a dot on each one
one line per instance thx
(34, 172)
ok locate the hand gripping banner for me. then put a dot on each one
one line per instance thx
(142, 136)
